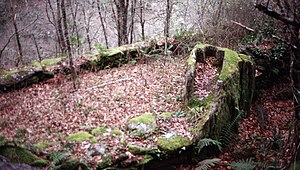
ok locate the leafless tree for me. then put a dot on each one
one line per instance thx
(87, 21)
(16, 32)
(61, 41)
(68, 45)
(169, 7)
(122, 25)
(132, 16)
(142, 18)
(102, 20)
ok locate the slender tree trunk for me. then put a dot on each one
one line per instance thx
(54, 23)
(69, 52)
(295, 72)
(142, 20)
(168, 18)
(62, 42)
(167, 24)
(122, 13)
(75, 26)
(14, 17)
(102, 23)
(133, 5)
(87, 28)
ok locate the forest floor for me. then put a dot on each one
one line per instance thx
(51, 110)
(265, 138)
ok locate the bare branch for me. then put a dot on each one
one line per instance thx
(277, 15)
(273, 36)
(243, 26)
(9, 39)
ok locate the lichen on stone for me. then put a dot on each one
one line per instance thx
(81, 136)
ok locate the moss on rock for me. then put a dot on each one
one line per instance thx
(174, 143)
(116, 132)
(137, 150)
(99, 131)
(21, 155)
(147, 119)
(47, 62)
(81, 136)
(143, 123)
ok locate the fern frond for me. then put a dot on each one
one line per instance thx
(208, 142)
(207, 164)
(247, 164)
(228, 130)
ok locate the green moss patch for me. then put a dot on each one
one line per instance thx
(43, 145)
(116, 132)
(146, 119)
(143, 123)
(21, 155)
(81, 136)
(166, 115)
(99, 131)
(137, 150)
(230, 64)
(172, 144)
(47, 62)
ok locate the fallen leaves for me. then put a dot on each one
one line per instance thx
(49, 112)
(268, 141)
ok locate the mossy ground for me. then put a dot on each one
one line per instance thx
(99, 131)
(146, 119)
(80, 137)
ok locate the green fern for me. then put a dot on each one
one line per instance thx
(228, 130)
(208, 142)
(57, 157)
(207, 164)
(247, 164)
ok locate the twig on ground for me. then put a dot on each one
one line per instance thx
(105, 84)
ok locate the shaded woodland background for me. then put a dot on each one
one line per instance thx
(268, 30)
(96, 24)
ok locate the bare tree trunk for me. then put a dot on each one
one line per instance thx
(122, 13)
(75, 26)
(133, 5)
(20, 61)
(168, 18)
(62, 42)
(102, 23)
(37, 48)
(167, 24)
(69, 52)
(87, 28)
(142, 19)
(54, 23)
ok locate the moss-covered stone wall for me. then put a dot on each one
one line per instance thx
(233, 90)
